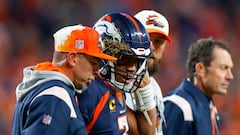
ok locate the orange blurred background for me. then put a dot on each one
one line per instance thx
(27, 26)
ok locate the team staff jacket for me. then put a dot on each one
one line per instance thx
(187, 111)
(41, 114)
(103, 109)
(46, 105)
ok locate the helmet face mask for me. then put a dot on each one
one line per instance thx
(122, 80)
(125, 38)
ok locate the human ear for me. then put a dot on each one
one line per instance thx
(71, 58)
(200, 69)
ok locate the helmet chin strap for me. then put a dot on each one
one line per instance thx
(142, 67)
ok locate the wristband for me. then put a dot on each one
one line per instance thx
(145, 98)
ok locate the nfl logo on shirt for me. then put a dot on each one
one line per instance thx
(47, 119)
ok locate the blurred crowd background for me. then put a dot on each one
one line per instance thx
(27, 26)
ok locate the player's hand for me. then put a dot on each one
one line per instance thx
(145, 81)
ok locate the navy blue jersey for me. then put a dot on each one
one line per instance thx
(187, 111)
(49, 109)
(103, 110)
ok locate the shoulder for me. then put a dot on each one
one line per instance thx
(156, 88)
(92, 95)
(59, 93)
(155, 84)
(182, 104)
(94, 90)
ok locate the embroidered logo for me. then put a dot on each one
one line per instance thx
(154, 20)
(79, 44)
(47, 119)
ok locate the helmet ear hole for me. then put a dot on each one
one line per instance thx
(105, 70)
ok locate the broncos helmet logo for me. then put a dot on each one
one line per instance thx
(108, 29)
(154, 20)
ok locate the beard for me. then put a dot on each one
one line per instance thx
(84, 87)
(81, 87)
(153, 67)
(82, 84)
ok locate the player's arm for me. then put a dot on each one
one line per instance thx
(133, 125)
(143, 120)
(139, 124)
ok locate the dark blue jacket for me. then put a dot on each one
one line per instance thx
(187, 111)
(103, 109)
(46, 110)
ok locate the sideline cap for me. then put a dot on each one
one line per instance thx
(80, 39)
(154, 22)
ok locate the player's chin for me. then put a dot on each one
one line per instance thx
(125, 81)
